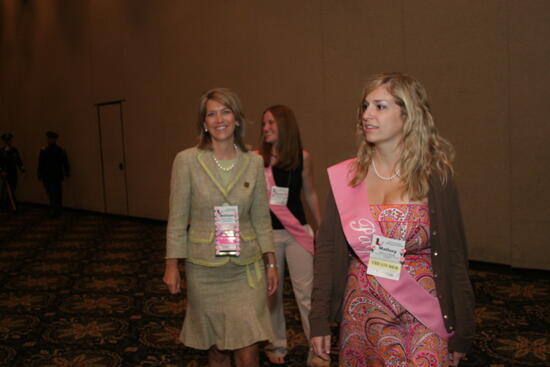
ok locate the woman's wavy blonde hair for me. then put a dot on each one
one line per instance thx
(423, 150)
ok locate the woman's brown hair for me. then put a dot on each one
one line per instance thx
(289, 143)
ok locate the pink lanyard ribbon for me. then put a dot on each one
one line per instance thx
(285, 216)
(359, 226)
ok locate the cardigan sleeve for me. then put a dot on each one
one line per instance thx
(462, 293)
(259, 210)
(179, 208)
(323, 271)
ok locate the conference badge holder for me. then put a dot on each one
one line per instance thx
(386, 257)
(226, 220)
(279, 195)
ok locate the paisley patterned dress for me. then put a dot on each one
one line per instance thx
(376, 330)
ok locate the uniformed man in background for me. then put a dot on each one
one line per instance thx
(53, 168)
(10, 164)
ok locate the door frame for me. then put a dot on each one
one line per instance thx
(98, 107)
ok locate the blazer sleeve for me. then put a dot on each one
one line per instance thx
(65, 163)
(2, 161)
(19, 161)
(40, 168)
(323, 271)
(259, 210)
(179, 208)
(462, 292)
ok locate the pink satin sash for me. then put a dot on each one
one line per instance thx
(285, 216)
(359, 227)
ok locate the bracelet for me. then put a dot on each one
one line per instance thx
(274, 266)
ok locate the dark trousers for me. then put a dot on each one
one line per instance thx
(54, 189)
(4, 194)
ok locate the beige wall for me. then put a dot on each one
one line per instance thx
(485, 64)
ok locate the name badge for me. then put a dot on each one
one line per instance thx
(227, 230)
(386, 257)
(279, 195)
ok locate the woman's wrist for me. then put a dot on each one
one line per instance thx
(172, 263)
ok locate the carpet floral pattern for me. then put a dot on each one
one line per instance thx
(85, 290)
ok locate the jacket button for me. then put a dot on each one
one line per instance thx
(434, 233)
(445, 317)
(435, 253)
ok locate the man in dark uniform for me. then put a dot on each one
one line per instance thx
(53, 167)
(10, 163)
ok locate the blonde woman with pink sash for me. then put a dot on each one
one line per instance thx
(288, 171)
(391, 260)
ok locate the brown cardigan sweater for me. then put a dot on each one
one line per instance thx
(449, 262)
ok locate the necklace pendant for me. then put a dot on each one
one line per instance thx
(225, 169)
(383, 178)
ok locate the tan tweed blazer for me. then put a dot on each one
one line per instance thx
(196, 187)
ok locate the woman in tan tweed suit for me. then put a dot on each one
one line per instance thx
(226, 295)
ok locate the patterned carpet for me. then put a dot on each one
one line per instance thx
(85, 290)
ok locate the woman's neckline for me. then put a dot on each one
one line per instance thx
(395, 204)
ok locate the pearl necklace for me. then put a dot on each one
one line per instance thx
(226, 169)
(396, 174)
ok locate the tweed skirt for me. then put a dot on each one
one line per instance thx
(226, 306)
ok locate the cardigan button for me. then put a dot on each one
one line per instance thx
(434, 233)
(445, 317)
(435, 275)
(439, 296)
(435, 253)
(451, 328)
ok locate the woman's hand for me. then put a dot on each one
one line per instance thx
(271, 272)
(321, 346)
(272, 280)
(172, 277)
(455, 358)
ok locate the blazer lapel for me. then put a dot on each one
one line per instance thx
(207, 162)
(240, 166)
